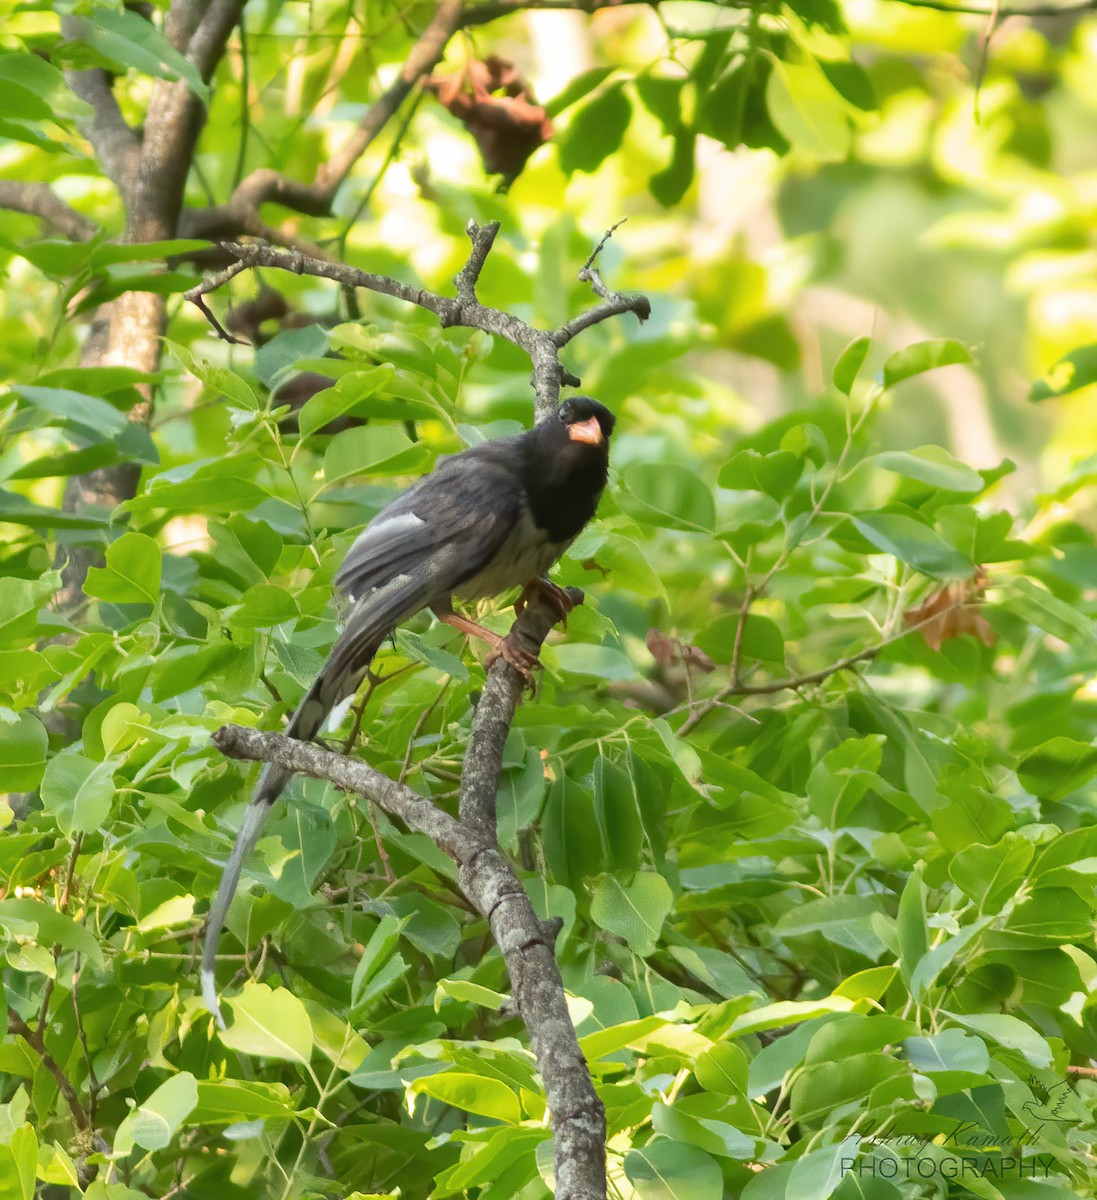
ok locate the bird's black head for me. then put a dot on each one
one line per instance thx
(568, 465)
(586, 420)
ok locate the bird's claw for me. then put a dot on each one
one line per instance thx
(517, 657)
(551, 593)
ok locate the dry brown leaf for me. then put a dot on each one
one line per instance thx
(952, 612)
(498, 109)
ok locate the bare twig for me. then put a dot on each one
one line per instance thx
(489, 882)
(542, 345)
(794, 682)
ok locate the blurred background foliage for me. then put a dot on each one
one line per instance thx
(809, 779)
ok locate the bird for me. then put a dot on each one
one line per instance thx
(493, 517)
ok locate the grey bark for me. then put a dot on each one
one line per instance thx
(490, 883)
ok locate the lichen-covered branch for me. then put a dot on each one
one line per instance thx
(542, 345)
(490, 883)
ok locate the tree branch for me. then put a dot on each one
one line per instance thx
(117, 146)
(34, 1039)
(542, 345)
(40, 200)
(792, 683)
(315, 199)
(490, 883)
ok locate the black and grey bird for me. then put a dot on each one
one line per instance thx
(493, 517)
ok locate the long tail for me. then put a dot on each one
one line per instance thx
(340, 677)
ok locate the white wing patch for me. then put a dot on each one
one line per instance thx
(335, 717)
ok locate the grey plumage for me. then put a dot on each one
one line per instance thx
(493, 517)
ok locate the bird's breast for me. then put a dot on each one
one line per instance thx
(526, 554)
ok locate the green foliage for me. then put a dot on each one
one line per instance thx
(809, 781)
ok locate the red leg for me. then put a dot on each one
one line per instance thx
(501, 647)
(467, 627)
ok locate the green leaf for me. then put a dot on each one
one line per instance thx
(21, 511)
(849, 364)
(263, 606)
(287, 348)
(950, 1050)
(843, 920)
(204, 486)
(220, 380)
(669, 495)
(1073, 371)
(129, 40)
(671, 1170)
(378, 951)
(714, 1137)
(153, 1124)
(913, 543)
(225, 1101)
(911, 925)
(74, 408)
(472, 1093)
(595, 131)
(78, 792)
(109, 253)
(761, 640)
(922, 357)
(1010, 1032)
(54, 928)
(603, 662)
(817, 1174)
(990, 875)
(786, 1012)
(775, 473)
(808, 111)
(1039, 607)
(22, 1147)
(574, 91)
(634, 912)
(1058, 767)
(343, 398)
(616, 1037)
(270, 1023)
(932, 465)
(467, 992)
(132, 573)
(23, 745)
(723, 1069)
(841, 778)
(374, 450)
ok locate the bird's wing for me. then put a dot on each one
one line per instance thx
(443, 530)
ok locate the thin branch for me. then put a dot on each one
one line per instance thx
(794, 682)
(34, 1039)
(315, 199)
(40, 200)
(489, 882)
(542, 345)
(740, 628)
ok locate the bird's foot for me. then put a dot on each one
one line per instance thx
(517, 656)
(551, 593)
